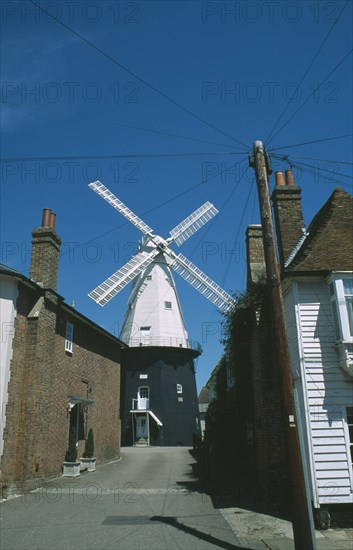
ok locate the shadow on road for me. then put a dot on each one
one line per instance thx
(235, 489)
(196, 533)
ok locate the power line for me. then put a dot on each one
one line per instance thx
(315, 169)
(209, 225)
(321, 160)
(112, 123)
(251, 221)
(307, 99)
(237, 233)
(142, 155)
(269, 139)
(134, 75)
(309, 142)
(287, 159)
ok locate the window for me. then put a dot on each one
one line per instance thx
(168, 305)
(341, 296)
(179, 388)
(148, 277)
(348, 295)
(143, 392)
(69, 337)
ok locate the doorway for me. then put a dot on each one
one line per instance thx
(143, 401)
(141, 427)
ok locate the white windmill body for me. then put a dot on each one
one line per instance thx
(159, 398)
(153, 315)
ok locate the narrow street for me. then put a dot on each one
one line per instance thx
(152, 499)
(149, 499)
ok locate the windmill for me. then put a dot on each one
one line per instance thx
(160, 352)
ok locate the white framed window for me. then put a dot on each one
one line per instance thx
(168, 305)
(341, 296)
(144, 392)
(69, 336)
(179, 388)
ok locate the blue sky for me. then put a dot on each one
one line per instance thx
(175, 93)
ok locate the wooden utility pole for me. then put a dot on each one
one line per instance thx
(303, 529)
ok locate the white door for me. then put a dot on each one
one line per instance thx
(145, 335)
(141, 427)
(143, 394)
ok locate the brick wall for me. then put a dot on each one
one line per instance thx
(45, 257)
(288, 214)
(42, 377)
(255, 254)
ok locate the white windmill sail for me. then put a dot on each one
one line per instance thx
(193, 223)
(101, 190)
(154, 315)
(116, 282)
(204, 284)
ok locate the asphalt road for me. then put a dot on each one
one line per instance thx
(149, 499)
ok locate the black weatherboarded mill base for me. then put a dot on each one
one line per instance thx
(169, 374)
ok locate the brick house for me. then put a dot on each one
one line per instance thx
(58, 369)
(317, 282)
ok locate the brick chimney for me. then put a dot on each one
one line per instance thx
(288, 212)
(45, 252)
(254, 254)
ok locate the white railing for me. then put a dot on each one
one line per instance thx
(170, 342)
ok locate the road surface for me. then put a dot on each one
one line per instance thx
(149, 499)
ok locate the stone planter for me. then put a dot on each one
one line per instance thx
(88, 464)
(71, 469)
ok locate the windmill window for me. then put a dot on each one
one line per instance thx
(168, 305)
(69, 337)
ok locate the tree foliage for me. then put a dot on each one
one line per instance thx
(226, 430)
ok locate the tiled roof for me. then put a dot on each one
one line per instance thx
(204, 395)
(328, 244)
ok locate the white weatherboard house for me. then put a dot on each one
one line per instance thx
(318, 300)
(159, 399)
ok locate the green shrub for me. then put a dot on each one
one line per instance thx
(71, 453)
(89, 446)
